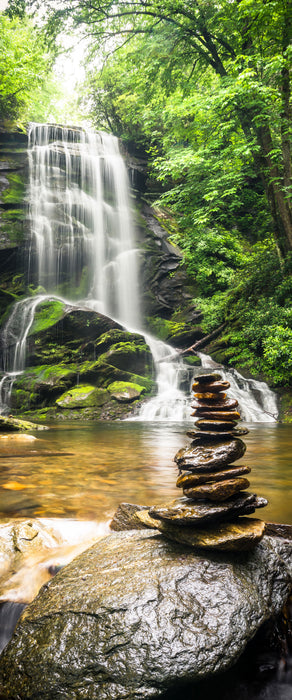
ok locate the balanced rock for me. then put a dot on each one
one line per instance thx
(238, 535)
(204, 437)
(219, 403)
(213, 387)
(221, 425)
(183, 511)
(206, 457)
(217, 415)
(217, 490)
(189, 479)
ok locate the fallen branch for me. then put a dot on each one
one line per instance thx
(199, 344)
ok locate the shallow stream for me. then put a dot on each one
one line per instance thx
(84, 470)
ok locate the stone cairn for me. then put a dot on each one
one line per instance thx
(214, 488)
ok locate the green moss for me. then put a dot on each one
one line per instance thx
(82, 396)
(121, 386)
(192, 360)
(47, 314)
(158, 326)
(16, 189)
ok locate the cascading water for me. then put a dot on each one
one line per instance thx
(171, 403)
(79, 214)
(80, 219)
(256, 401)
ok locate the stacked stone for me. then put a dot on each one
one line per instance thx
(215, 445)
(214, 488)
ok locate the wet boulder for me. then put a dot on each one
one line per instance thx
(136, 614)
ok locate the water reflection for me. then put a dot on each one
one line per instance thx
(85, 470)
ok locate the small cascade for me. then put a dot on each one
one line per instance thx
(14, 339)
(256, 400)
(172, 402)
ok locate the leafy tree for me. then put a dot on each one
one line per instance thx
(24, 67)
(247, 44)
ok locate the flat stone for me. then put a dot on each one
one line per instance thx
(218, 403)
(213, 387)
(145, 520)
(208, 395)
(217, 491)
(220, 425)
(204, 437)
(240, 535)
(124, 517)
(208, 457)
(136, 614)
(190, 479)
(186, 513)
(207, 378)
(217, 415)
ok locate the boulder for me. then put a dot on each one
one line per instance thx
(8, 423)
(125, 392)
(137, 614)
(82, 396)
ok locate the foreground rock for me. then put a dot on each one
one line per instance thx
(137, 613)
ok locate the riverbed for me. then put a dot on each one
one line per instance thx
(84, 470)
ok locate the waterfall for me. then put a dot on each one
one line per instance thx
(256, 401)
(172, 402)
(79, 214)
(79, 219)
(82, 250)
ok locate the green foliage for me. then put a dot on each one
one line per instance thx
(29, 90)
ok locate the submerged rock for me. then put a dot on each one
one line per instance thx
(136, 614)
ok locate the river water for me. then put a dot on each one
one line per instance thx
(84, 470)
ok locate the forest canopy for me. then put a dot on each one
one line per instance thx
(203, 89)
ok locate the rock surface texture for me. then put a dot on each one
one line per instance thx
(137, 613)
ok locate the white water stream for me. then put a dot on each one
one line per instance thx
(256, 401)
(80, 219)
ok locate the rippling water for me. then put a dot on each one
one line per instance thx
(85, 470)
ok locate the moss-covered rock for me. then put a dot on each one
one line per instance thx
(69, 348)
(82, 396)
(8, 423)
(47, 314)
(125, 391)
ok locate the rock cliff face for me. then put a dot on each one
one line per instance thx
(13, 181)
(81, 364)
(136, 614)
(65, 347)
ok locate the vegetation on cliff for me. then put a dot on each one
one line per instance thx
(203, 90)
